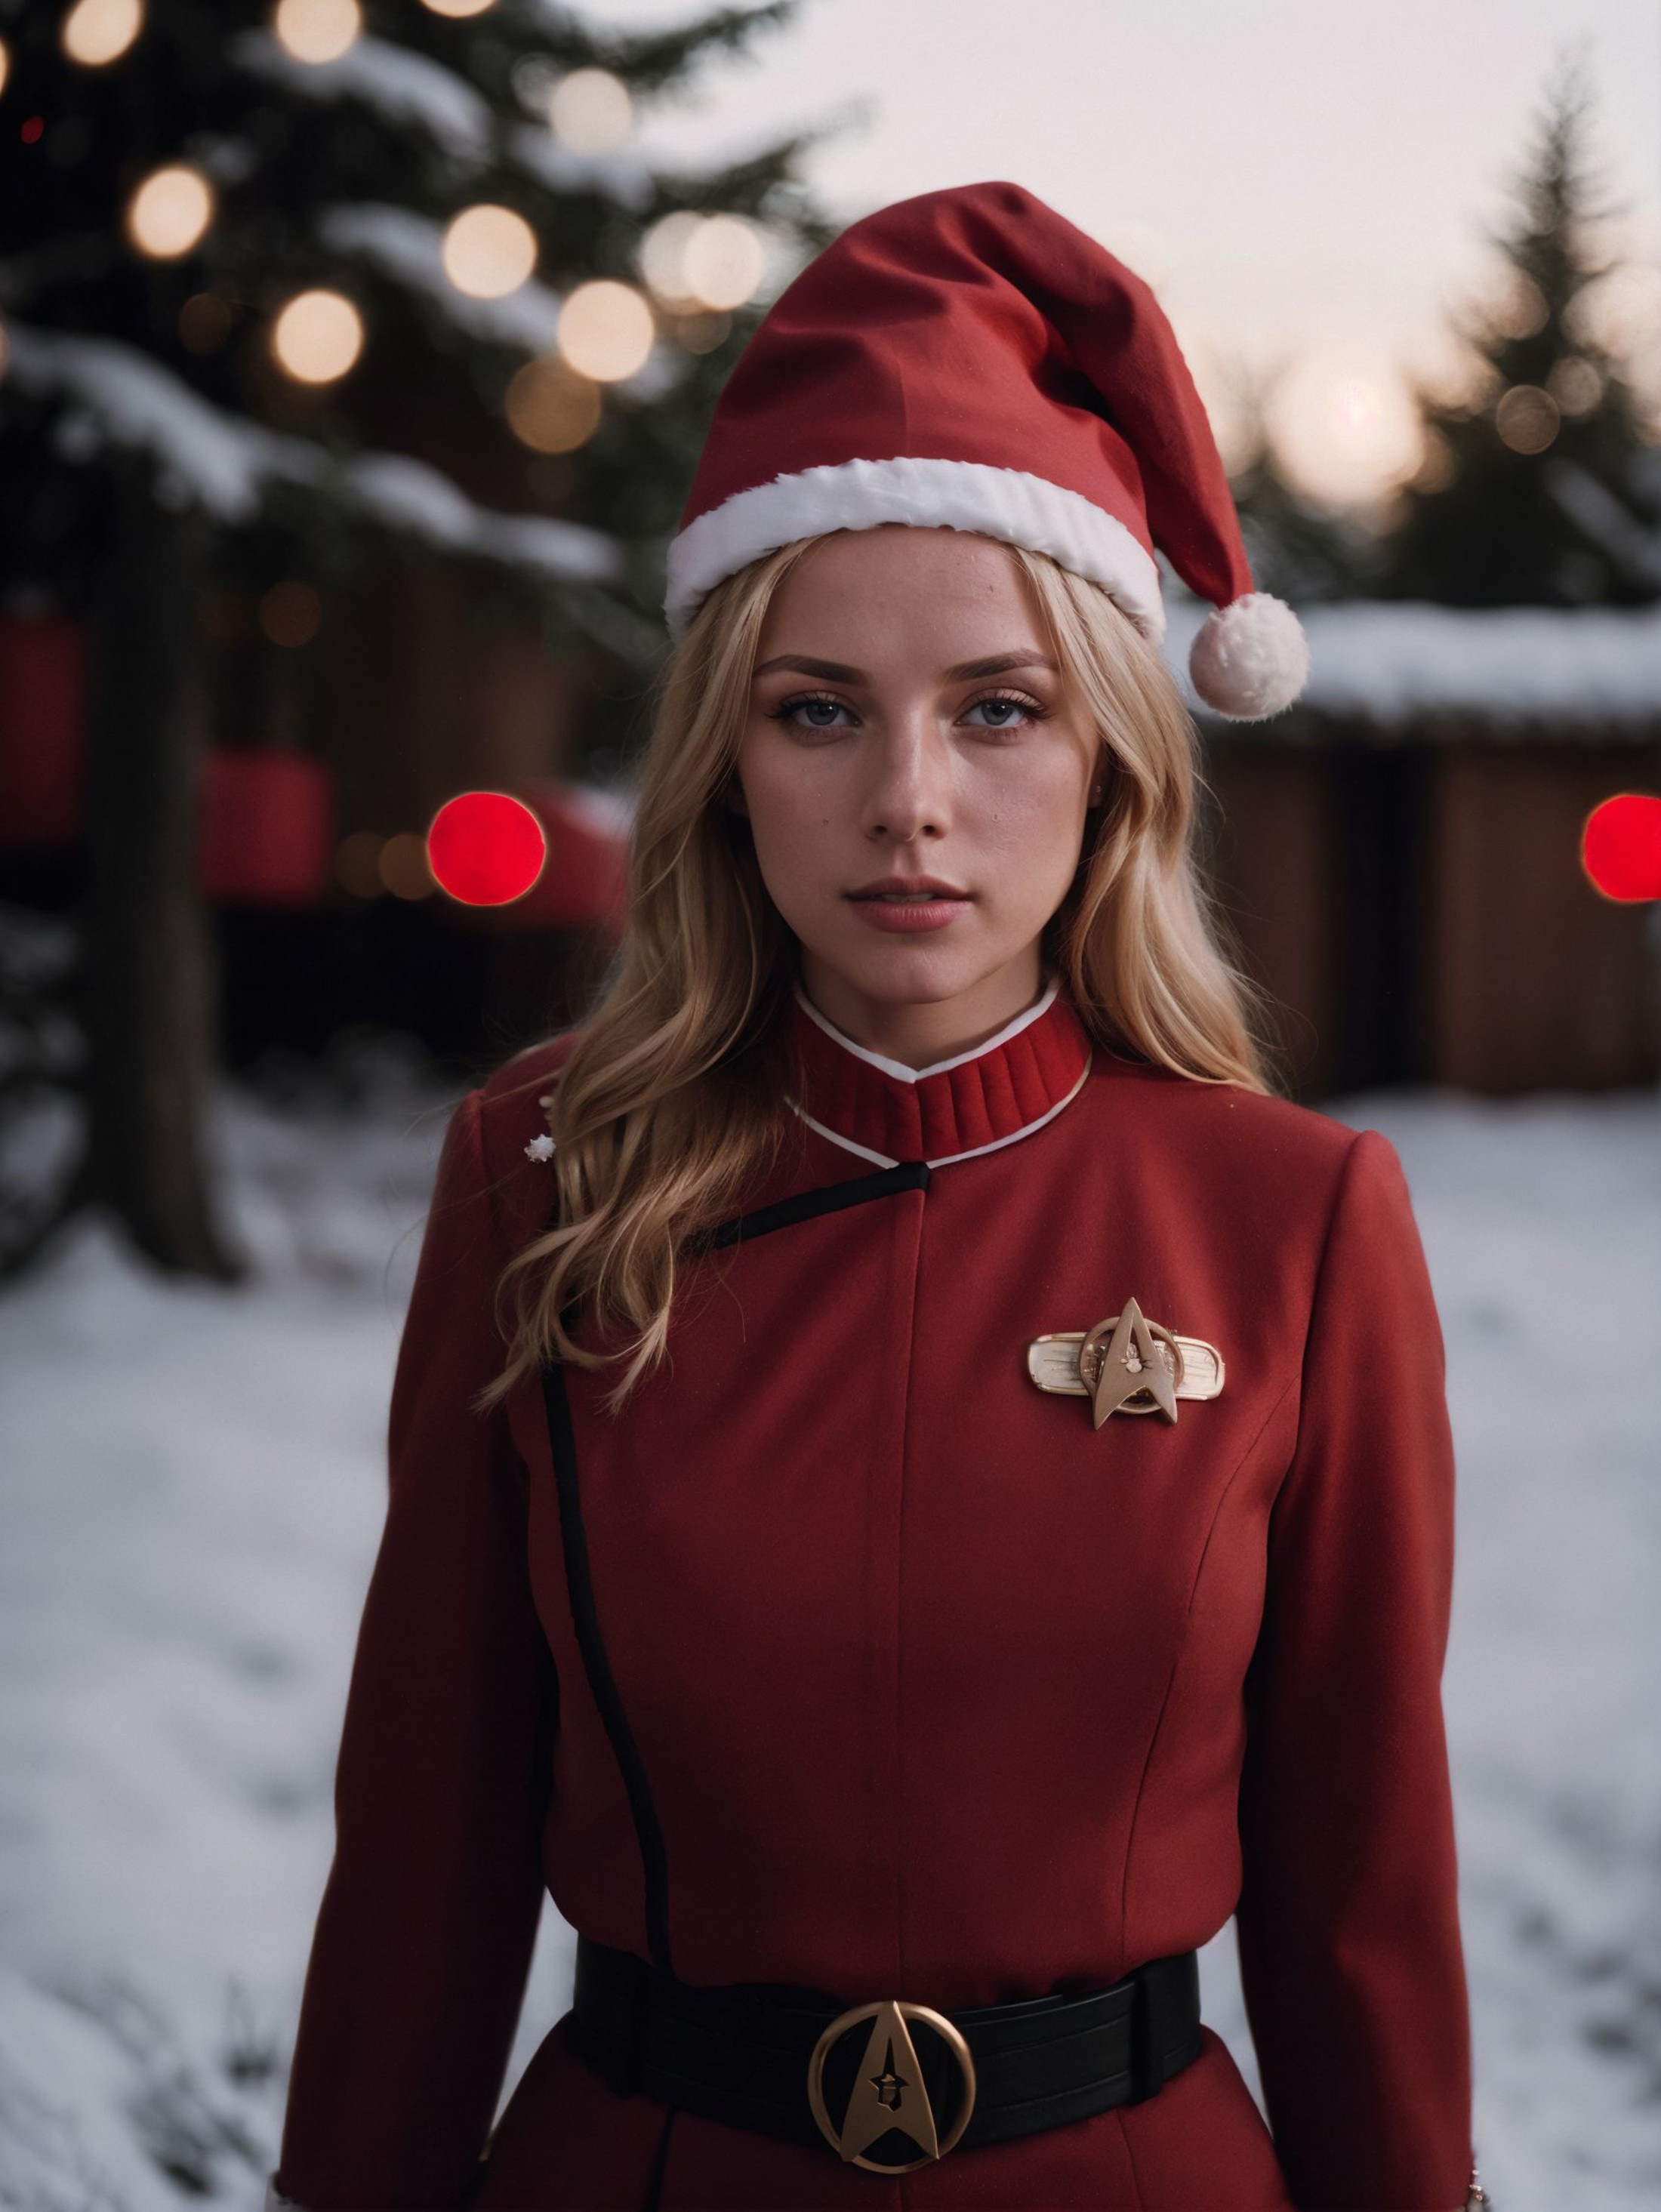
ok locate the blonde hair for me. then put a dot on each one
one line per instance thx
(670, 1102)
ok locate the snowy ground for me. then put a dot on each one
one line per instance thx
(192, 1491)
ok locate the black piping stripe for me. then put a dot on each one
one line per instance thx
(580, 1586)
(808, 1205)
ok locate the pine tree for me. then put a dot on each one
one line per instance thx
(1528, 492)
(264, 321)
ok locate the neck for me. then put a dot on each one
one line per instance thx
(918, 1034)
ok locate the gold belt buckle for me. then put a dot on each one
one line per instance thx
(887, 2092)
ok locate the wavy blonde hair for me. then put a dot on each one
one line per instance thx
(670, 1102)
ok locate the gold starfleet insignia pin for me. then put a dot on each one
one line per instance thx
(1126, 1364)
(886, 2096)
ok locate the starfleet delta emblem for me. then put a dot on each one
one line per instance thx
(888, 2122)
(1126, 1364)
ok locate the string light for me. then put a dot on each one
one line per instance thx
(1527, 419)
(5, 64)
(723, 263)
(714, 261)
(318, 30)
(550, 408)
(317, 336)
(591, 111)
(403, 868)
(456, 9)
(97, 31)
(488, 251)
(606, 331)
(486, 849)
(169, 211)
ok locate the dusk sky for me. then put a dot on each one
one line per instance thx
(1302, 181)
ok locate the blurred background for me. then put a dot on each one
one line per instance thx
(354, 359)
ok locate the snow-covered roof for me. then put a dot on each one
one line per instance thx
(1513, 667)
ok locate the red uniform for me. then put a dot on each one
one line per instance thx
(932, 1689)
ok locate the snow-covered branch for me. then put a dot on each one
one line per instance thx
(402, 87)
(408, 249)
(116, 397)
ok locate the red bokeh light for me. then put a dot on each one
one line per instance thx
(1620, 847)
(485, 848)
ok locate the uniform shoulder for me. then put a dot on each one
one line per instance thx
(1255, 1122)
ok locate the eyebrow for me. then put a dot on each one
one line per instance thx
(966, 671)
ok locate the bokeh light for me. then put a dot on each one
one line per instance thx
(357, 863)
(1344, 425)
(606, 331)
(550, 408)
(456, 9)
(1620, 847)
(5, 64)
(170, 211)
(290, 613)
(205, 321)
(486, 849)
(317, 336)
(97, 31)
(591, 111)
(702, 261)
(318, 30)
(1576, 384)
(723, 263)
(488, 251)
(1527, 418)
(402, 867)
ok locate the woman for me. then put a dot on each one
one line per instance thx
(953, 1497)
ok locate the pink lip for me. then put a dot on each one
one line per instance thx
(913, 915)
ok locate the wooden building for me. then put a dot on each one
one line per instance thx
(1399, 856)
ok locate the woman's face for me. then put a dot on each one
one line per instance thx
(916, 779)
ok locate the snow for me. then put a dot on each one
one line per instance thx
(1393, 663)
(410, 248)
(223, 463)
(404, 86)
(194, 1489)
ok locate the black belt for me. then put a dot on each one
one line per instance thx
(743, 2053)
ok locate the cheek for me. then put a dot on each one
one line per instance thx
(1032, 813)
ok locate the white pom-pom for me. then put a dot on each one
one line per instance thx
(1250, 659)
(540, 1148)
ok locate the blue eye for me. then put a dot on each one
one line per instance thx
(814, 713)
(1004, 711)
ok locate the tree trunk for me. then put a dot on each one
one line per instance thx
(149, 978)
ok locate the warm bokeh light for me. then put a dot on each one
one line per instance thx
(702, 261)
(357, 863)
(606, 331)
(1527, 418)
(1345, 426)
(723, 262)
(663, 257)
(318, 30)
(488, 251)
(591, 111)
(702, 333)
(1576, 384)
(5, 64)
(170, 211)
(486, 849)
(205, 321)
(317, 336)
(550, 408)
(456, 8)
(1620, 847)
(402, 867)
(99, 30)
(290, 613)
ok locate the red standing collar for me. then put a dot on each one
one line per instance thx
(885, 1112)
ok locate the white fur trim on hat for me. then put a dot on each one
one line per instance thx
(1250, 659)
(1007, 503)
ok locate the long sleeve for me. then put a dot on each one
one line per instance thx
(424, 1935)
(1348, 1924)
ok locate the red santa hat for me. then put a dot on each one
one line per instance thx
(970, 360)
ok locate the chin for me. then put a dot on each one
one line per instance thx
(910, 973)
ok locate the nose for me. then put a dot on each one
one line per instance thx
(908, 799)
